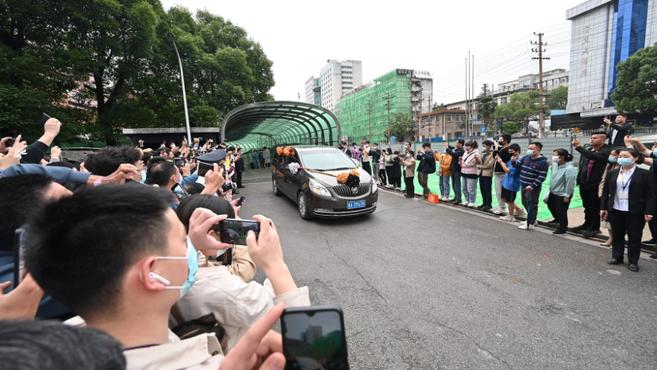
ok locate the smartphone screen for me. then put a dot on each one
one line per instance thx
(233, 231)
(314, 338)
(203, 168)
(42, 120)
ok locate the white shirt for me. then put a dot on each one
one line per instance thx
(197, 353)
(622, 196)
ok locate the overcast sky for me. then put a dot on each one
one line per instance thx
(299, 36)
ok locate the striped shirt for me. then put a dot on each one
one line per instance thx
(533, 171)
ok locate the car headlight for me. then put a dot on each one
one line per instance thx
(374, 187)
(319, 189)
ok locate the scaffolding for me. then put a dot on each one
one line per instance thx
(365, 113)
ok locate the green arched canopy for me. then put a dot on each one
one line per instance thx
(256, 125)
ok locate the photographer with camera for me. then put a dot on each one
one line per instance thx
(235, 303)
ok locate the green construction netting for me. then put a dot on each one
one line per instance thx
(268, 124)
(366, 112)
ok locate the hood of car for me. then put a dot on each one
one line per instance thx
(328, 178)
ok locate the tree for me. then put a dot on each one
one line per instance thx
(487, 107)
(520, 108)
(401, 126)
(510, 128)
(635, 82)
(558, 98)
(437, 107)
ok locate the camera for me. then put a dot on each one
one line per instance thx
(227, 186)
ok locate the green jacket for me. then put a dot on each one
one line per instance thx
(564, 178)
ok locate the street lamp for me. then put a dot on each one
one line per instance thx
(182, 80)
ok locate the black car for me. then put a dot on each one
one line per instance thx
(309, 177)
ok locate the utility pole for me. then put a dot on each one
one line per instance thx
(541, 93)
(467, 110)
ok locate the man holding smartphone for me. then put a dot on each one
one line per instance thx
(617, 130)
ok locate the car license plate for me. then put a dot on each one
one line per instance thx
(355, 204)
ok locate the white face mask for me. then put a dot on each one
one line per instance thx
(555, 158)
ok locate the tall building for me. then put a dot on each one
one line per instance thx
(604, 33)
(336, 79)
(313, 91)
(366, 111)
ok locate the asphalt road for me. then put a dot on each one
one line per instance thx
(432, 287)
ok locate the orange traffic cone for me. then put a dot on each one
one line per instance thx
(433, 198)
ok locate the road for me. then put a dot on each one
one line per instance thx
(433, 287)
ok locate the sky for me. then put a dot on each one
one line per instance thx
(300, 36)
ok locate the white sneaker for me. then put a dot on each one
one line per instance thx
(471, 205)
(508, 218)
(522, 225)
(497, 211)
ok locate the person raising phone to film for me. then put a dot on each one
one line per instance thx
(235, 303)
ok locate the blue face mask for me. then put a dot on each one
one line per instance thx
(625, 161)
(192, 269)
(612, 159)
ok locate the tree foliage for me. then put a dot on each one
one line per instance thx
(520, 108)
(558, 98)
(487, 106)
(401, 126)
(636, 80)
(107, 64)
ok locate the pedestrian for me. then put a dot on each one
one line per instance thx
(650, 156)
(381, 166)
(444, 172)
(618, 130)
(502, 151)
(510, 182)
(388, 162)
(266, 156)
(456, 152)
(355, 152)
(409, 173)
(395, 171)
(486, 175)
(239, 167)
(375, 152)
(426, 167)
(592, 163)
(533, 171)
(366, 157)
(562, 186)
(628, 201)
(611, 165)
(469, 173)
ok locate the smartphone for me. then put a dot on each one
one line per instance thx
(234, 231)
(19, 263)
(240, 201)
(44, 117)
(203, 168)
(314, 338)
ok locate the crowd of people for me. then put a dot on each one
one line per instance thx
(615, 176)
(122, 249)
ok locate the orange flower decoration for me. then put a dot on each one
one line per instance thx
(342, 178)
(355, 172)
(279, 151)
(288, 151)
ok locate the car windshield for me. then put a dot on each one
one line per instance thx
(326, 160)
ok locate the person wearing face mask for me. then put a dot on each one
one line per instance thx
(533, 171)
(236, 304)
(119, 257)
(592, 163)
(445, 172)
(628, 202)
(486, 175)
(456, 153)
(562, 186)
(501, 150)
(611, 165)
(427, 166)
(511, 181)
(469, 172)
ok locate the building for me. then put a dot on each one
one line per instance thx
(448, 124)
(551, 80)
(604, 33)
(313, 91)
(336, 79)
(366, 111)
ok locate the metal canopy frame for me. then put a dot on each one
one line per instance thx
(256, 125)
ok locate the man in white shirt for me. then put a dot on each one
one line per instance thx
(118, 256)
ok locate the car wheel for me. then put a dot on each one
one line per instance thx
(275, 187)
(302, 205)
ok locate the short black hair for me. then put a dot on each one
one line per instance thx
(506, 138)
(600, 132)
(472, 144)
(426, 145)
(19, 197)
(160, 172)
(194, 188)
(537, 143)
(488, 142)
(461, 141)
(50, 345)
(217, 205)
(78, 248)
(108, 160)
(564, 153)
(515, 148)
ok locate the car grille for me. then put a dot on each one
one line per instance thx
(345, 191)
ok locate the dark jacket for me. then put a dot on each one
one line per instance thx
(621, 131)
(533, 171)
(641, 192)
(506, 157)
(456, 154)
(427, 162)
(598, 161)
(34, 153)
